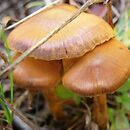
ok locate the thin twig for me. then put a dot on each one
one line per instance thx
(87, 120)
(20, 99)
(75, 124)
(22, 117)
(33, 14)
(43, 40)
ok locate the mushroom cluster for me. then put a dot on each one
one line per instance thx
(84, 56)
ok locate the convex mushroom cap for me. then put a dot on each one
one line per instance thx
(102, 70)
(36, 74)
(78, 37)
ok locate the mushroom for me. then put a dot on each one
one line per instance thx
(36, 74)
(70, 45)
(98, 72)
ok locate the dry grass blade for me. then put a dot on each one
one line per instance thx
(33, 14)
(42, 41)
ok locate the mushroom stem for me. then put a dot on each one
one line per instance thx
(55, 103)
(99, 111)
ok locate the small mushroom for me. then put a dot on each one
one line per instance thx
(98, 72)
(40, 75)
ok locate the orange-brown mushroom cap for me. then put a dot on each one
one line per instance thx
(36, 74)
(80, 36)
(102, 70)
